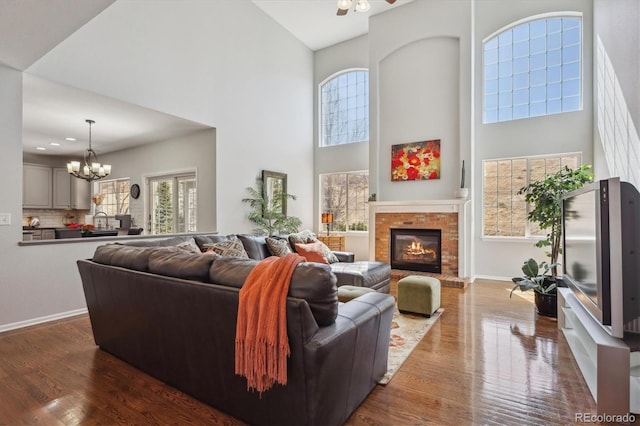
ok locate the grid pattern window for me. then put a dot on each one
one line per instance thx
(344, 105)
(173, 204)
(504, 211)
(345, 195)
(533, 69)
(115, 195)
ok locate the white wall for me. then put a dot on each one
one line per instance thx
(196, 151)
(222, 63)
(420, 69)
(350, 54)
(567, 132)
(616, 25)
(225, 64)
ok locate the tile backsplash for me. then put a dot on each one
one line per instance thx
(50, 218)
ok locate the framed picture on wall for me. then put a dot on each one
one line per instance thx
(415, 161)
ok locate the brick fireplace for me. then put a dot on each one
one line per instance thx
(451, 217)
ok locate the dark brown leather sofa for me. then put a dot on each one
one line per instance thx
(172, 314)
(348, 271)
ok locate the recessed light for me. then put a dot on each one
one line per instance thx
(41, 148)
(70, 139)
(54, 144)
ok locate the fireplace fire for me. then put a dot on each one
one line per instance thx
(416, 249)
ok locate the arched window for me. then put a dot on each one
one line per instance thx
(533, 68)
(344, 108)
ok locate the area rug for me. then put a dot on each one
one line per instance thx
(406, 332)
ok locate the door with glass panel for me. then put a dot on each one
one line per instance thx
(173, 204)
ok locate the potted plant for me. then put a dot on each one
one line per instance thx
(267, 214)
(536, 277)
(545, 199)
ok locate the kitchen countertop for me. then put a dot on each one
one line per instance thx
(110, 238)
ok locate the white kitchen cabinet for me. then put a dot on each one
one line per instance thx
(70, 192)
(36, 186)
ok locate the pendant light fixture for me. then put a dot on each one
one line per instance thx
(92, 169)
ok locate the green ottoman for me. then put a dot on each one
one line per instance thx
(349, 292)
(419, 294)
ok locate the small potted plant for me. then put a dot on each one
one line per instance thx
(536, 277)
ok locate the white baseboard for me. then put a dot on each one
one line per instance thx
(492, 277)
(40, 320)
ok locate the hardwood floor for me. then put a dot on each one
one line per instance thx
(488, 360)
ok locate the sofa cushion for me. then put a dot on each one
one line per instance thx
(361, 273)
(312, 282)
(278, 246)
(255, 246)
(172, 241)
(229, 248)
(313, 252)
(130, 257)
(181, 264)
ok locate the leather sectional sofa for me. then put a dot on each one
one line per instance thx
(348, 271)
(172, 314)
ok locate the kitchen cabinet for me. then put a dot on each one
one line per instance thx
(43, 234)
(70, 192)
(36, 186)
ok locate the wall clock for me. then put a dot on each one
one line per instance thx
(135, 190)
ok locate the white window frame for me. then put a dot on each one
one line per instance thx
(528, 236)
(322, 226)
(560, 14)
(147, 178)
(96, 190)
(320, 113)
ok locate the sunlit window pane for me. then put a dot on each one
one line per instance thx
(539, 56)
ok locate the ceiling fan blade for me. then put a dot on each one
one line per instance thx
(342, 12)
(391, 1)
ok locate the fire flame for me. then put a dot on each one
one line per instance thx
(417, 249)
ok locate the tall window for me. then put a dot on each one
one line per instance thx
(345, 195)
(116, 196)
(173, 204)
(533, 68)
(504, 211)
(344, 108)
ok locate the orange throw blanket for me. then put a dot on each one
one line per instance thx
(262, 345)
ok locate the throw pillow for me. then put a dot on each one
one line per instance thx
(302, 237)
(189, 246)
(229, 248)
(312, 252)
(278, 247)
(307, 236)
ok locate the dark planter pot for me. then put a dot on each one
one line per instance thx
(547, 304)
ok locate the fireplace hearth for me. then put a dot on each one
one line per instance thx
(416, 249)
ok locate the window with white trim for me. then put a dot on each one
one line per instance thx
(504, 212)
(533, 68)
(115, 196)
(345, 195)
(344, 108)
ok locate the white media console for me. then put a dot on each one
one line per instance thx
(609, 366)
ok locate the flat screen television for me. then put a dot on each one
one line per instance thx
(601, 252)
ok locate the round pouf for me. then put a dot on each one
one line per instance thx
(349, 292)
(419, 294)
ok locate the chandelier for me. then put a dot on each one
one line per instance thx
(92, 169)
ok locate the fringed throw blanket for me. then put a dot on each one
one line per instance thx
(262, 345)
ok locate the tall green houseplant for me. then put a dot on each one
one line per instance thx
(267, 214)
(545, 199)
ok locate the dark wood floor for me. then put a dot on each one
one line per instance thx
(488, 360)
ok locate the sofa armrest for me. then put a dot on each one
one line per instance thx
(344, 361)
(345, 256)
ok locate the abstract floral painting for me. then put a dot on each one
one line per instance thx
(415, 161)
